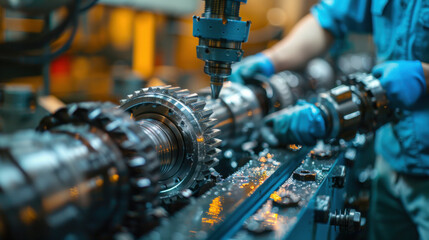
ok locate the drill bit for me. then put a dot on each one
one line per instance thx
(221, 33)
(216, 84)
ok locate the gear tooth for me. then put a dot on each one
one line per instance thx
(94, 113)
(213, 143)
(72, 109)
(181, 94)
(129, 96)
(204, 113)
(212, 154)
(122, 101)
(111, 126)
(144, 172)
(162, 89)
(207, 158)
(211, 133)
(208, 123)
(190, 98)
(212, 163)
(198, 106)
(136, 93)
(172, 90)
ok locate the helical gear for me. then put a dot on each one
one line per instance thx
(138, 152)
(179, 111)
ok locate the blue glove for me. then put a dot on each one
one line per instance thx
(302, 124)
(251, 66)
(404, 81)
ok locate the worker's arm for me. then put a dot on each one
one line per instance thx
(307, 40)
(311, 37)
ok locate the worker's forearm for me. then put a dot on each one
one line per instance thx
(306, 41)
(426, 72)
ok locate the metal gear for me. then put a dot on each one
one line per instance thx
(184, 133)
(61, 173)
(137, 150)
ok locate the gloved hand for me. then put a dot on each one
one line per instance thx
(251, 66)
(404, 81)
(302, 124)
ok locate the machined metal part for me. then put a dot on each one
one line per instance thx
(338, 177)
(61, 185)
(299, 221)
(221, 33)
(138, 154)
(240, 108)
(359, 105)
(182, 131)
(238, 112)
(349, 220)
(215, 214)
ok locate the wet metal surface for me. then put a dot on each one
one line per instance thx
(231, 199)
(276, 220)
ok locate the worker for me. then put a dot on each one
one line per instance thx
(400, 31)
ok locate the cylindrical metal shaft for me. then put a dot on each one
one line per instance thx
(164, 141)
(70, 184)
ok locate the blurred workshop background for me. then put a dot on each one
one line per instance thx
(121, 46)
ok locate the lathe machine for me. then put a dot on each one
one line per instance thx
(96, 170)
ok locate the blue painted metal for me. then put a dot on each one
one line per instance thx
(234, 222)
(306, 227)
(219, 54)
(216, 28)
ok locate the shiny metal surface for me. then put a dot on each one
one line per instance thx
(238, 112)
(137, 153)
(205, 216)
(169, 145)
(359, 105)
(221, 33)
(284, 222)
(57, 185)
(186, 127)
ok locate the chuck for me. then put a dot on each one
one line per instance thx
(221, 33)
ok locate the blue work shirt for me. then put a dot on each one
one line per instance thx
(401, 32)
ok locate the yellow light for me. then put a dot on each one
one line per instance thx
(275, 196)
(295, 147)
(144, 44)
(214, 210)
(27, 215)
(114, 178)
(99, 182)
